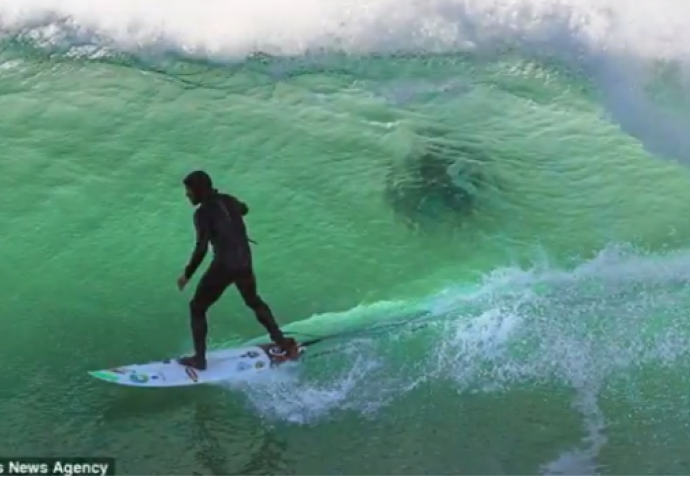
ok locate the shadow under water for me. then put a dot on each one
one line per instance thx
(439, 179)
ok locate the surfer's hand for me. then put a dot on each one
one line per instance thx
(182, 282)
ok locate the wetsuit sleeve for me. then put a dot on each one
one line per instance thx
(202, 239)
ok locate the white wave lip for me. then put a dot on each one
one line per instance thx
(649, 28)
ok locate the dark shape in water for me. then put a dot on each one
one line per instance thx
(443, 178)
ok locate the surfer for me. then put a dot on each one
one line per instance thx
(218, 221)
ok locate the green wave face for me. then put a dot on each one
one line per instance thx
(500, 238)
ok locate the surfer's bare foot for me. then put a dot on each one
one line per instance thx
(194, 362)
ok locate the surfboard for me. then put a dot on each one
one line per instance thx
(230, 364)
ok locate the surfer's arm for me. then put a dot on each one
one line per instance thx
(201, 247)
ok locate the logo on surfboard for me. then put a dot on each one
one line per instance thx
(191, 373)
(138, 378)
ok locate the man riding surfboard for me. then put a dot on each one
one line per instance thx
(218, 220)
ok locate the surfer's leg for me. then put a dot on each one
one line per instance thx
(246, 284)
(208, 291)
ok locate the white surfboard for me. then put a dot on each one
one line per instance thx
(221, 365)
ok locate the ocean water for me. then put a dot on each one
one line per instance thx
(488, 199)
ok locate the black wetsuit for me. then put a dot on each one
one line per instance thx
(218, 221)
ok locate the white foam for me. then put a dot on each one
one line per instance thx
(648, 28)
(285, 395)
(586, 329)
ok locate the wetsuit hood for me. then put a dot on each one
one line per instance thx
(199, 186)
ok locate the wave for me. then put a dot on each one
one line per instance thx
(653, 29)
(635, 54)
(595, 332)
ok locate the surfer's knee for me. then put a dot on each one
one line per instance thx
(197, 308)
